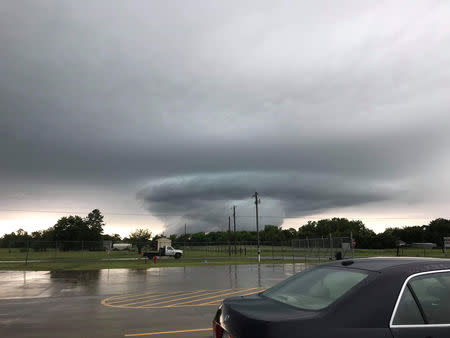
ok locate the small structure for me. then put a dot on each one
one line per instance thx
(162, 242)
(446, 244)
(400, 245)
(107, 245)
(122, 246)
(424, 245)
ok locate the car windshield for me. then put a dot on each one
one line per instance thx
(315, 289)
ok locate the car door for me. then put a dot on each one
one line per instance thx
(423, 307)
(169, 251)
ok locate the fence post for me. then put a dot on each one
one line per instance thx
(305, 251)
(28, 250)
(351, 245)
(323, 246)
(331, 247)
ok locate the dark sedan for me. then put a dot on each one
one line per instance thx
(373, 297)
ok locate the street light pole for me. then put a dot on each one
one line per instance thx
(229, 236)
(234, 226)
(257, 201)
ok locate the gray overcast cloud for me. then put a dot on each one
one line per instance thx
(186, 108)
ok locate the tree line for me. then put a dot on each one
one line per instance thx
(70, 230)
(433, 232)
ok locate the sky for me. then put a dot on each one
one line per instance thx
(168, 113)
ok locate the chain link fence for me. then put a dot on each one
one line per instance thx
(307, 249)
(46, 251)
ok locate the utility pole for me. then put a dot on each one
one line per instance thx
(257, 201)
(185, 232)
(234, 225)
(229, 236)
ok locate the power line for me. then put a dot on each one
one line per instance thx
(86, 211)
(184, 215)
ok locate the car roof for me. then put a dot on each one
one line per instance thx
(400, 263)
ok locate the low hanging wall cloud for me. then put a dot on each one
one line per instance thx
(205, 200)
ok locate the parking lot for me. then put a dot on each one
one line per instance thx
(165, 302)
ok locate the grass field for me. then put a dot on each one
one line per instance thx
(409, 252)
(140, 264)
(193, 255)
(17, 254)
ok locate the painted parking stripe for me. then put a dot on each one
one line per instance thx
(165, 332)
(215, 296)
(192, 302)
(217, 301)
(155, 297)
(133, 294)
(110, 301)
(127, 300)
(176, 299)
(135, 303)
(190, 297)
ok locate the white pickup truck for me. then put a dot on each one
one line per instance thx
(164, 251)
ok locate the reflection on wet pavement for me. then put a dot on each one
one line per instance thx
(41, 284)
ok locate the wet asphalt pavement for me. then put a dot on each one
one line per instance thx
(121, 302)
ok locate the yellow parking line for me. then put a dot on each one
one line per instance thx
(215, 301)
(127, 295)
(168, 294)
(108, 302)
(165, 332)
(178, 306)
(125, 300)
(183, 298)
(222, 293)
(142, 294)
(252, 293)
(122, 305)
(227, 294)
(176, 299)
(190, 295)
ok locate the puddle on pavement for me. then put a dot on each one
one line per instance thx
(38, 284)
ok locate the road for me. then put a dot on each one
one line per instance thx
(159, 302)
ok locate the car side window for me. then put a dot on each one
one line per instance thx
(408, 312)
(433, 293)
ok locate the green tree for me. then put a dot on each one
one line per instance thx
(438, 229)
(94, 221)
(16, 239)
(115, 238)
(140, 238)
(71, 230)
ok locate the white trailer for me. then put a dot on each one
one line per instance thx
(121, 246)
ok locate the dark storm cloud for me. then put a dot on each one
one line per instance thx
(204, 200)
(122, 94)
